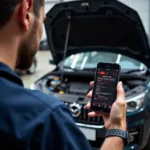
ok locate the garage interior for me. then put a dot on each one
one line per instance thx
(43, 57)
(44, 66)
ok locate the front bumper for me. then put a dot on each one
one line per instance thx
(138, 127)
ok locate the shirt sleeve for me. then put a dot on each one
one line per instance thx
(65, 133)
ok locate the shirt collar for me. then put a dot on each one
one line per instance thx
(6, 72)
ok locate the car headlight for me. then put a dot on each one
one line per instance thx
(33, 87)
(135, 103)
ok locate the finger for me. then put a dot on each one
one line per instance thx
(89, 95)
(92, 84)
(120, 92)
(88, 106)
(93, 114)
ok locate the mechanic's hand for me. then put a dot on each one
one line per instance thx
(117, 117)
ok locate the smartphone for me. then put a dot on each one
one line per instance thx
(105, 84)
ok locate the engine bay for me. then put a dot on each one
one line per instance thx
(79, 85)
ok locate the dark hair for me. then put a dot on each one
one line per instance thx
(7, 8)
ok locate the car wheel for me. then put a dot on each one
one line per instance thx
(32, 69)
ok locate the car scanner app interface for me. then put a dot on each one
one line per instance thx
(105, 88)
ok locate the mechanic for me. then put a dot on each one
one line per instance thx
(31, 119)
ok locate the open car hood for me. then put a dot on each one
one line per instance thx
(102, 25)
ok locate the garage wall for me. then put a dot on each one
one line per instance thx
(142, 6)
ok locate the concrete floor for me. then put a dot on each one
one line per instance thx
(43, 67)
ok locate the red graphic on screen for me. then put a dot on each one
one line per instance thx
(104, 90)
(102, 73)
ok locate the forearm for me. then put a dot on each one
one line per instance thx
(113, 143)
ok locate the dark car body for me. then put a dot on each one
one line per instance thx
(82, 33)
(44, 45)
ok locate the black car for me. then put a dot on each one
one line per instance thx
(44, 45)
(81, 34)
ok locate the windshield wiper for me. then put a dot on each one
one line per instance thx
(133, 70)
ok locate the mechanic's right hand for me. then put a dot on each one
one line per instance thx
(117, 117)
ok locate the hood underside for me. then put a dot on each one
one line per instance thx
(102, 25)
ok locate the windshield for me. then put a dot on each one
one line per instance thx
(89, 60)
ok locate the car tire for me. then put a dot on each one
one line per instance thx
(32, 69)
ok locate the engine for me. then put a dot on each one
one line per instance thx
(77, 87)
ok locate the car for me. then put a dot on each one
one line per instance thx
(31, 70)
(83, 33)
(44, 45)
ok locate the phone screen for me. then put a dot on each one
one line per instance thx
(104, 92)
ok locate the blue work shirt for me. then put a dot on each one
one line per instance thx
(32, 120)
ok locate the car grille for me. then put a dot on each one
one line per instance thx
(83, 117)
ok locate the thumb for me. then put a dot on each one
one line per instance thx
(120, 92)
